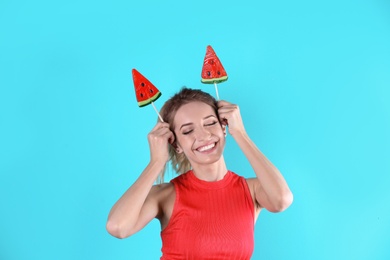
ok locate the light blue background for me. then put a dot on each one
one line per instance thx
(312, 80)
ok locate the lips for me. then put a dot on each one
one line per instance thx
(206, 147)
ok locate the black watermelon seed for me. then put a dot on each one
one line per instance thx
(142, 95)
(219, 73)
(208, 73)
(151, 91)
(142, 84)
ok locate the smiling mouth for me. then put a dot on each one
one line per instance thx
(206, 147)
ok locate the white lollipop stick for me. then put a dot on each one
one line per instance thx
(155, 109)
(216, 90)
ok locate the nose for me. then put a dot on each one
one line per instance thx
(203, 134)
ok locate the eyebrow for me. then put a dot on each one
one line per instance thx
(193, 123)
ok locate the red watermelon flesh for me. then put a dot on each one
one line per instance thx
(212, 70)
(145, 91)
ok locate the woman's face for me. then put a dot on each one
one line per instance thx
(199, 133)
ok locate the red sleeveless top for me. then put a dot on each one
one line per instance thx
(210, 220)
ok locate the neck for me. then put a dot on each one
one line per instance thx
(210, 172)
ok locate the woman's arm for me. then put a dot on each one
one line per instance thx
(271, 189)
(140, 203)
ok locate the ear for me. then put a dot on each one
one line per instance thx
(177, 147)
(224, 129)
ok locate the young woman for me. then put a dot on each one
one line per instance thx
(207, 212)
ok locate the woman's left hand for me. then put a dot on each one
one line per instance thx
(229, 115)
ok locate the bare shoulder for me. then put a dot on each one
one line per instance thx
(159, 191)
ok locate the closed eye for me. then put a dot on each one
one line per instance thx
(187, 132)
(210, 124)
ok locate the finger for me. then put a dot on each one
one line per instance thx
(227, 111)
(169, 135)
(160, 125)
(222, 103)
(223, 119)
(158, 132)
(165, 132)
(171, 138)
(229, 106)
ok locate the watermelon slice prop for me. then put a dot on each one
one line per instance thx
(212, 71)
(145, 91)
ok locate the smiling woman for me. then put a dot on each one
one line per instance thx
(207, 211)
(199, 136)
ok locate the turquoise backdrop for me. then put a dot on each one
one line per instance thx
(312, 79)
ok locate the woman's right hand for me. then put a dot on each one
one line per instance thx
(159, 139)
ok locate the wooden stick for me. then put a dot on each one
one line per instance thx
(155, 109)
(216, 90)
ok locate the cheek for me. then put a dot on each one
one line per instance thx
(220, 130)
(182, 141)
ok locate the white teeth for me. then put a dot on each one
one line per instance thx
(207, 147)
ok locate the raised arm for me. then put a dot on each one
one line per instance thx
(140, 203)
(270, 188)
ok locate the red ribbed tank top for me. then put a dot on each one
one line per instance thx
(210, 220)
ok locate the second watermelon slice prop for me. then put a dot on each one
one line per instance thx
(212, 70)
(146, 93)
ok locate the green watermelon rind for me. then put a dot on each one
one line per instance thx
(214, 80)
(150, 100)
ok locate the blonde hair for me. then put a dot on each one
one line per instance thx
(179, 161)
